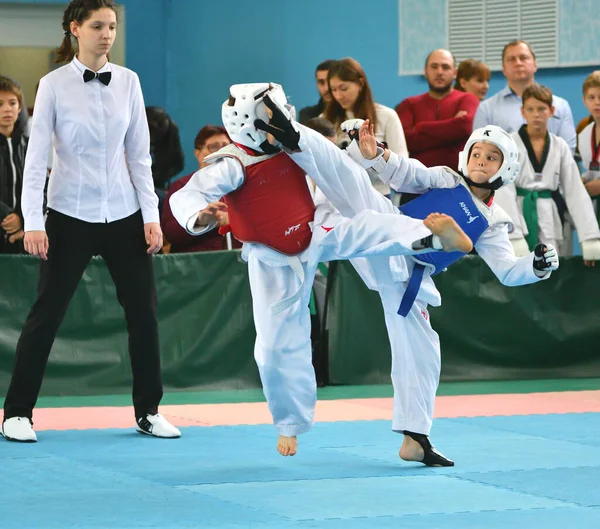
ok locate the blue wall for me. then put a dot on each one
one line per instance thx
(209, 49)
(188, 52)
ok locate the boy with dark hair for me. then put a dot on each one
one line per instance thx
(13, 146)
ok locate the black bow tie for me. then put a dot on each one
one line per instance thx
(103, 77)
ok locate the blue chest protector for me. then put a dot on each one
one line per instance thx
(456, 203)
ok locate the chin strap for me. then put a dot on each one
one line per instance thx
(267, 148)
(494, 186)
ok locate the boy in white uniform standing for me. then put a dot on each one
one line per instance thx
(546, 164)
(589, 138)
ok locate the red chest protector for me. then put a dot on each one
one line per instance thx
(274, 205)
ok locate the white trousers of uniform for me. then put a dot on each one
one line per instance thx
(283, 348)
(415, 346)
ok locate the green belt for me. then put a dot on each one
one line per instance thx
(530, 212)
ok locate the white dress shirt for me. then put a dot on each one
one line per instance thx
(102, 164)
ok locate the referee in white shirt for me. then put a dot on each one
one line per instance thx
(101, 201)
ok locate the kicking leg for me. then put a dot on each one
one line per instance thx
(451, 235)
(371, 234)
(345, 183)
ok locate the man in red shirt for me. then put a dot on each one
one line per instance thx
(438, 123)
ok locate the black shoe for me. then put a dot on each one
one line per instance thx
(432, 457)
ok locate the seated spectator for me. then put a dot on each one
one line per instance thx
(504, 108)
(13, 146)
(474, 77)
(546, 164)
(209, 140)
(307, 113)
(438, 123)
(166, 150)
(352, 98)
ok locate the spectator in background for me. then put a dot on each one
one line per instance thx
(474, 77)
(325, 95)
(546, 164)
(323, 127)
(504, 108)
(352, 98)
(209, 140)
(13, 146)
(589, 138)
(165, 149)
(438, 123)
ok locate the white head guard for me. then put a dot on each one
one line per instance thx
(509, 170)
(245, 106)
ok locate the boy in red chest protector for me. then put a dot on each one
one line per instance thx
(285, 235)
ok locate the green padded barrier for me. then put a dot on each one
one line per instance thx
(206, 326)
(487, 331)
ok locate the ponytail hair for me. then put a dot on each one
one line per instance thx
(77, 11)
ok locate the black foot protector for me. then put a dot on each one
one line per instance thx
(432, 457)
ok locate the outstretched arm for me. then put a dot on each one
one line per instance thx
(190, 205)
(495, 249)
(403, 174)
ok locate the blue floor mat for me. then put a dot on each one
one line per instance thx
(531, 471)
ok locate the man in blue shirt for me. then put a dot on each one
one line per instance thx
(504, 108)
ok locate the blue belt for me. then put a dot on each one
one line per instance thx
(414, 284)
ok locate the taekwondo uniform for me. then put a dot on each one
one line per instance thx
(590, 157)
(532, 200)
(415, 345)
(285, 236)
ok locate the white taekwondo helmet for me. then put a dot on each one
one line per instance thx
(245, 106)
(509, 170)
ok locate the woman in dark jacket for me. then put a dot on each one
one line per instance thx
(13, 146)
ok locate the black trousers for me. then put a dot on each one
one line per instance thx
(72, 243)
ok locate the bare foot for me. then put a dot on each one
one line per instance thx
(451, 235)
(411, 450)
(287, 446)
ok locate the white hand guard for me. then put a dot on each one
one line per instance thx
(591, 250)
(352, 126)
(545, 258)
(520, 247)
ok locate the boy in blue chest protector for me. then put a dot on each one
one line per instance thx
(488, 161)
